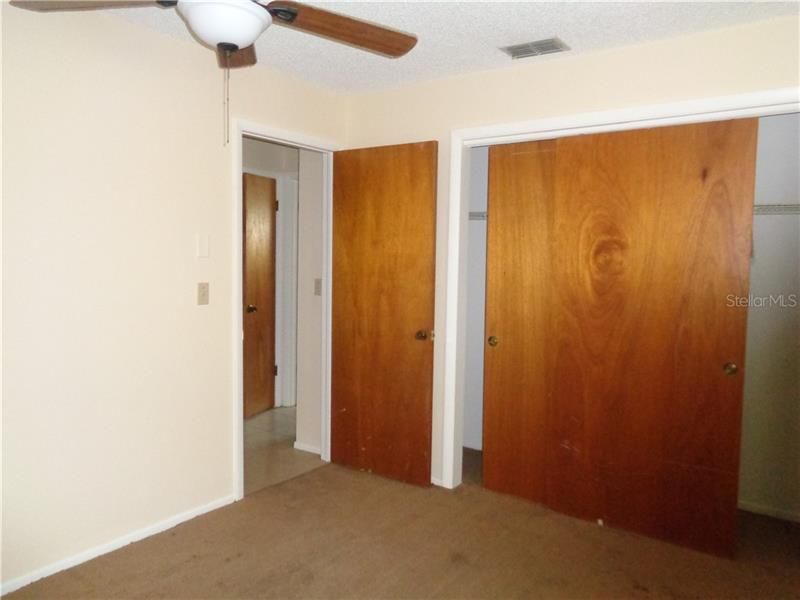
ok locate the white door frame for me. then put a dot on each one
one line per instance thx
(268, 133)
(759, 104)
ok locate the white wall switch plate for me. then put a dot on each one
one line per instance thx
(202, 293)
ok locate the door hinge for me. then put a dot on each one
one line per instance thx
(275, 370)
(277, 205)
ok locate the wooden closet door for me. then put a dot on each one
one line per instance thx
(646, 237)
(384, 212)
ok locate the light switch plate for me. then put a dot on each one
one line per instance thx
(318, 287)
(202, 293)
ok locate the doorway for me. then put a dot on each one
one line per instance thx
(472, 460)
(769, 481)
(281, 268)
(473, 434)
(408, 167)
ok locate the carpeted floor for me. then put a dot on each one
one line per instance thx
(338, 533)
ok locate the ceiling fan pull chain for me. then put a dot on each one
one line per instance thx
(226, 101)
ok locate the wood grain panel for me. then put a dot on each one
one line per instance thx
(259, 292)
(246, 57)
(519, 229)
(649, 235)
(383, 290)
(656, 230)
(343, 29)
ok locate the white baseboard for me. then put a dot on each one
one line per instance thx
(9, 586)
(778, 513)
(306, 448)
(438, 482)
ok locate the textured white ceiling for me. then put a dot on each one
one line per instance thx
(457, 37)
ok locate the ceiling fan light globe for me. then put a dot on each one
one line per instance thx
(215, 22)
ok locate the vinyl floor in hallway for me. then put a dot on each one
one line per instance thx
(269, 453)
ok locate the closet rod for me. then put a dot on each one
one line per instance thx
(758, 209)
(776, 209)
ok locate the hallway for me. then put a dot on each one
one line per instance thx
(269, 453)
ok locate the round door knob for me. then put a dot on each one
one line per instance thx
(493, 341)
(251, 308)
(421, 335)
(730, 368)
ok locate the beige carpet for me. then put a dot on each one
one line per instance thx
(338, 533)
(269, 453)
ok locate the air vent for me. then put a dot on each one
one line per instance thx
(537, 48)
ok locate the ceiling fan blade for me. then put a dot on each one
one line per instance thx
(339, 28)
(57, 5)
(246, 57)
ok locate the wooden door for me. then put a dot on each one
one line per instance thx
(384, 205)
(259, 293)
(517, 301)
(608, 391)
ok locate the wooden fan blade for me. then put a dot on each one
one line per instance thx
(58, 5)
(339, 28)
(246, 57)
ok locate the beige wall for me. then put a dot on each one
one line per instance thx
(749, 58)
(735, 60)
(1, 285)
(118, 388)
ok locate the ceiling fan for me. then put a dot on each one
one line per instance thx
(232, 26)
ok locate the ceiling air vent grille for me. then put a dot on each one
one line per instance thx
(537, 48)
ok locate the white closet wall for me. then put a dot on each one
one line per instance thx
(476, 296)
(770, 465)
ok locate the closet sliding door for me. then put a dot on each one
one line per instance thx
(614, 353)
(518, 306)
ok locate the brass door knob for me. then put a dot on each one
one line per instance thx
(421, 335)
(251, 308)
(493, 341)
(730, 368)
